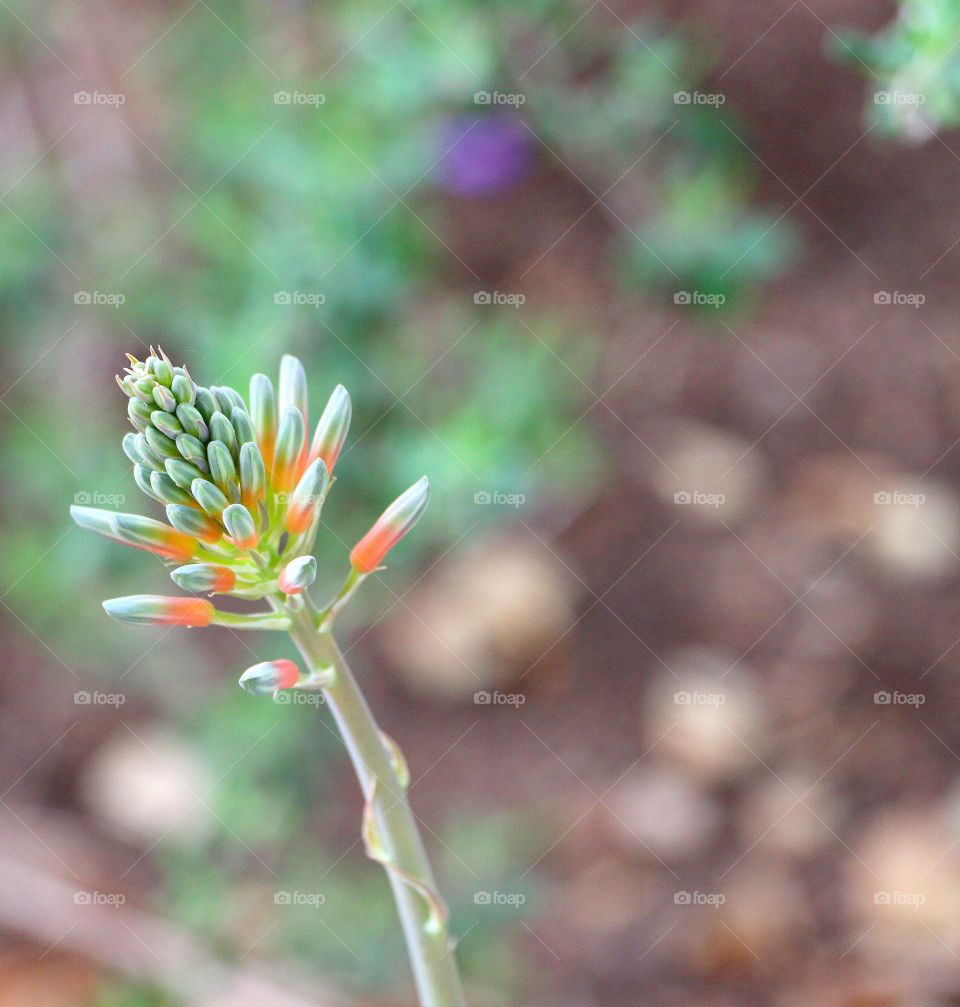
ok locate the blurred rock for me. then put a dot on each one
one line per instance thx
(772, 811)
(706, 474)
(662, 810)
(490, 614)
(148, 785)
(903, 889)
(707, 715)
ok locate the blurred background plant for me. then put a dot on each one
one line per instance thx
(914, 69)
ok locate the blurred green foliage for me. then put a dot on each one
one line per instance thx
(914, 67)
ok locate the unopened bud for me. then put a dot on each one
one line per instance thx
(298, 575)
(268, 676)
(331, 432)
(160, 610)
(390, 527)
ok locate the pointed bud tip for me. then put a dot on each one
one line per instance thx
(269, 676)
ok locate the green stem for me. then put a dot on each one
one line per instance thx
(429, 946)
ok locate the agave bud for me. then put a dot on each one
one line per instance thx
(292, 391)
(164, 446)
(193, 522)
(205, 403)
(141, 476)
(210, 577)
(100, 521)
(164, 398)
(192, 450)
(160, 610)
(167, 491)
(221, 429)
(298, 575)
(390, 527)
(222, 467)
(331, 432)
(307, 498)
(243, 426)
(289, 448)
(268, 676)
(210, 497)
(183, 389)
(155, 537)
(253, 478)
(182, 473)
(240, 527)
(263, 412)
(193, 423)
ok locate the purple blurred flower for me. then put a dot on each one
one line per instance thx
(482, 154)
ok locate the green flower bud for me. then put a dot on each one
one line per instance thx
(298, 575)
(182, 473)
(161, 443)
(221, 429)
(167, 491)
(166, 423)
(263, 412)
(210, 497)
(193, 451)
(253, 478)
(209, 577)
(243, 426)
(141, 476)
(240, 527)
(205, 403)
(286, 459)
(139, 413)
(184, 390)
(192, 522)
(193, 423)
(268, 676)
(164, 398)
(222, 468)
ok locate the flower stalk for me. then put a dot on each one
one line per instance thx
(242, 490)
